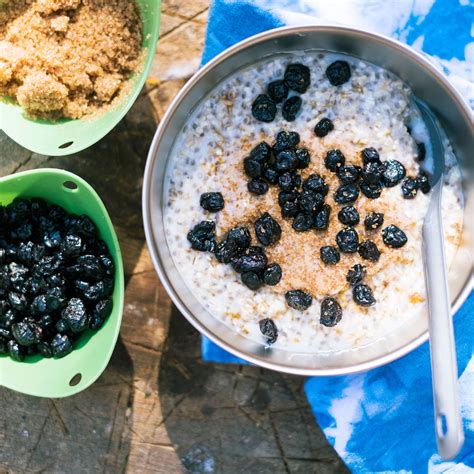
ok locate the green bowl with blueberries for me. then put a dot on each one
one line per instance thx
(61, 284)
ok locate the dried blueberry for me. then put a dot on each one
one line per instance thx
(286, 141)
(75, 316)
(15, 351)
(349, 174)
(373, 220)
(409, 187)
(421, 151)
(254, 260)
(226, 250)
(272, 274)
(346, 194)
(261, 152)
(251, 280)
(323, 127)
(363, 295)
(291, 107)
(286, 160)
(372, 173)
(17, 301)
(61, 345)
(252, 168)
(372, 191)
(240, 236)
(334, 160)
(267, 229)
(394, 237)
(298, 299)
(338, 72)
(310, 201)
(61, 326)
(302, 222)
(369, 251)
(90, 267)
(263, 108)
(321, 218)
(330, 255)
(202, 236)
(100, 313)
(393, 173)
(278, 91)
(290, 209)
(370, 155)
(46, 321)
(52, 239)
(38, 305)
(331, 312)
(347, 240)
(27, 332)
(271, 176)
(287, 196)
(356, 274)
(96, 292)
(44, 348)
(348, 215)
(288, 181)
(315, 183)
(269, 329)
(257, 186)
(303, 158)
(297, 77)
(423, 182)
(212, 202)
(71, 245)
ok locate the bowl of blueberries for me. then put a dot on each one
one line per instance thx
(61, 283)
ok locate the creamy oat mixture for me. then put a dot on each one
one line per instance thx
(373, 109)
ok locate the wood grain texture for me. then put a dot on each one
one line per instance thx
(157, 408)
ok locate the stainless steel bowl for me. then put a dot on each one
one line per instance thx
(426, 82)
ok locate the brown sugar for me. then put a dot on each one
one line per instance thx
(67, 58)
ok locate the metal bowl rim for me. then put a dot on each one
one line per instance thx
(147, 183)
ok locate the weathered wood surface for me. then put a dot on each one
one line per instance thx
(158, 407)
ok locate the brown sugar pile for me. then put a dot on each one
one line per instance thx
(67, 58)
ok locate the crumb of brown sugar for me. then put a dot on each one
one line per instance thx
(68, 58)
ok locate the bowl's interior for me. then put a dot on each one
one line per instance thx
(427, 84)
(71, 374)
(70, 136)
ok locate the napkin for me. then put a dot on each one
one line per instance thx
(380, 420)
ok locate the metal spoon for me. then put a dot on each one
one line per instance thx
(448, 424)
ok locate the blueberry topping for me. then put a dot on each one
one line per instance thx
(409, 187)
(253, 260)
(261, 152)
(330, 255)
(338, 73)
(263, 108)
(289, 209)
(346, 194)
(315, 183)
(252, 168)
(373, 220)
(363, 295)
(356, 274)
(257, 186)
(269, 330)
(286, 141)
(347, 240)
(393, 173)
(302, 222)
(298, 299)
(349, 174)
(368, 250)
(303, 157)
(321, 219)
(278, 91)
(286, 161)
(267, 229)
(251, 280)
(349, 215)
(323, 127)
(291, 107)
(372, 173)
(331, 312)
(297, 77)
(423, 182)
(334, 160)
(272, 274)
(372, 191)
(370, 155)
(310, 201)
(202, 236)
(394, 237)
(212, 202)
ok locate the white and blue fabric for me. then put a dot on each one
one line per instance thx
(380, 420)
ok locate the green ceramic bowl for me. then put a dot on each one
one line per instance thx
(70, 136)
(73, 373)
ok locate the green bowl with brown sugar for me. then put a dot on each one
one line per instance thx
(73, 373)
(66, 136)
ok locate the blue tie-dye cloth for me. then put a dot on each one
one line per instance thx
(381, 420)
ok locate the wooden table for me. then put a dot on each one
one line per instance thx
(158, 407)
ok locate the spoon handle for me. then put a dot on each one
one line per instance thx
(448, 424)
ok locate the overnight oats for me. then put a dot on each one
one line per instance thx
(294, 203)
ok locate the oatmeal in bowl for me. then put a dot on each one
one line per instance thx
(293, 201)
